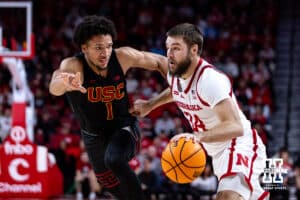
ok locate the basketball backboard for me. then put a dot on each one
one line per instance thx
(16, 38)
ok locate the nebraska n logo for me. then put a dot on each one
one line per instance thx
(273, 171)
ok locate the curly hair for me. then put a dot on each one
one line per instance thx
(91, 26)
(191, 34)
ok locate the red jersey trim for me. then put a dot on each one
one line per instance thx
(264, 195)
(230, 80)
(255, 146)
(199, 97)
(172, 84)
(195, 72)
(229, 169)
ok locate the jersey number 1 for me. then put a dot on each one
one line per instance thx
(109, 110)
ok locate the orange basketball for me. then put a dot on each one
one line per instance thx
(183, 161)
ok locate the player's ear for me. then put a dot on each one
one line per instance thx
(83, 48)
(194, 49)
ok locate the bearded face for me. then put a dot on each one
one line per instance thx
(178, 68)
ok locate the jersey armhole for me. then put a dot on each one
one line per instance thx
(197, 92)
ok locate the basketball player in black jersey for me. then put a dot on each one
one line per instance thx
(94, 82)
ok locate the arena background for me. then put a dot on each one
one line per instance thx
(256, 42)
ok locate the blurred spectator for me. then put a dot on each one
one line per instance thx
(40, 137)
(132, 83)
(66, 164)
(231, 68)
(205, 186)
(155, 160)
(267, 53)
(160, 142)
(164, 124)
(5, 122)
(135, 164)
(297, 177)
(148, 178)
(145, 88)
(85, 175)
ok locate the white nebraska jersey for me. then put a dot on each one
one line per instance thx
(198, 95)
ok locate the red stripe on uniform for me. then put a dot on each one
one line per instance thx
(231, 91)
(263, 196)
(231, 84)
(107, 179)
(255, 146)
(202, 101)
(172, 83)
(195, 72)
(229, 168)
(201, 72)
(233, 142)
(230, 80)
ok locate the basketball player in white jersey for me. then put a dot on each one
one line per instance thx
(206, 99)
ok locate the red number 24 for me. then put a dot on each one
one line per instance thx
(196, 122)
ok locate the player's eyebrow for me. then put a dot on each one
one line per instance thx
(103, 44)
(174, 44)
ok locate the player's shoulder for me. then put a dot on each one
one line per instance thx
(126, 52)
(211, 77)
(210, 71)
(71, 63)
(127, 56)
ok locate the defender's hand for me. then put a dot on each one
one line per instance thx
(72, 81)
(140, 108)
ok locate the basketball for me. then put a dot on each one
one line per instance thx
(183, 161)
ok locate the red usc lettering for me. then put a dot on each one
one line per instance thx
(106, 93)
(91, 96)
(119, 95)
(242, 160)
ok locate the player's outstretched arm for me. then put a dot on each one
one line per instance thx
(67, 78)
(230, 126)
(130, 57)
(141, 107)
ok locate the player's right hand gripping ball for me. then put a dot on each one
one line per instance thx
(183, 160)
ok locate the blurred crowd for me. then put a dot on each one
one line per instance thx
(239, 40)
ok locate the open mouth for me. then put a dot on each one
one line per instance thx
(102, 61)
(172, 63)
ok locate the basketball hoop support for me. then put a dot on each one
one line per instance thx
(28, 6)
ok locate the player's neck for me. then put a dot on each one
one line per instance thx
(99, 71)
(191, 68)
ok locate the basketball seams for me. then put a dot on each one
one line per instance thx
(172, 158)
(184, 173)
(182, 161)
(170, 148)
(172, 167)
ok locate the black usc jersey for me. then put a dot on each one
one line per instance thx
(104, 107)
